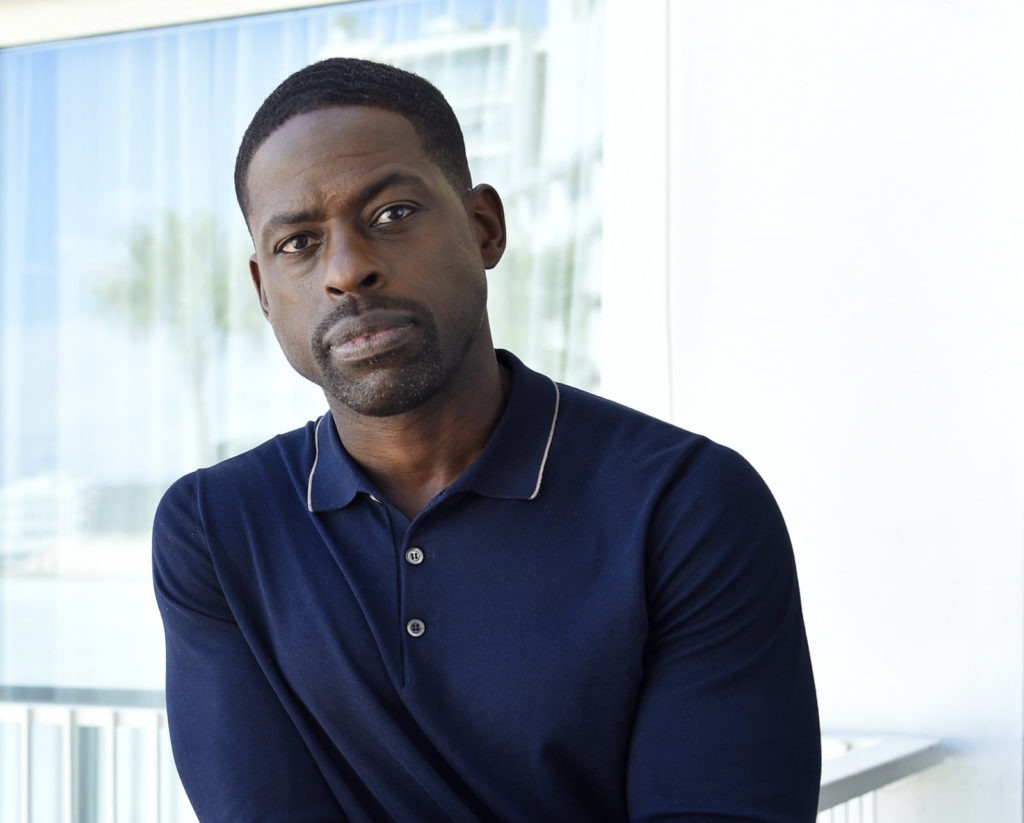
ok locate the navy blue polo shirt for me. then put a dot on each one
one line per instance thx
(599, 620)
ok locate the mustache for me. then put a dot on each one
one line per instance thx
(350, 306)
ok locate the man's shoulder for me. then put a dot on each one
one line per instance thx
(610, 424)
(274, 466)
(633, 447)
(215, 513)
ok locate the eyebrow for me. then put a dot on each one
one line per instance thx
(365, 195)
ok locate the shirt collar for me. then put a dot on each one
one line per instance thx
(511, 466)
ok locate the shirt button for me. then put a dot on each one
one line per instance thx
(415, 627)
(414, 556)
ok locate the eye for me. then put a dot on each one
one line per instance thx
(392, 214)
(296, 244)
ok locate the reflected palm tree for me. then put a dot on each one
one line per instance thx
(181, 279)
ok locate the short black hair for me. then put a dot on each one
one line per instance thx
(346, 81)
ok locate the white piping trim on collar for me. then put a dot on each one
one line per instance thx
(547, 447)
(540, 471)
(316, 459)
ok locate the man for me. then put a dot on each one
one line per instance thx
(465, 593)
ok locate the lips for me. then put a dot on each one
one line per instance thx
(367, 335)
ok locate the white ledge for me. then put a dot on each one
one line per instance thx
(854, 766)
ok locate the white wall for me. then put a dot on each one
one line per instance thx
(844, 256)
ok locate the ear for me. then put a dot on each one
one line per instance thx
(257, 281)
(488, 215)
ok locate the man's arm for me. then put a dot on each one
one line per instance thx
(727, 726)
(239, 754)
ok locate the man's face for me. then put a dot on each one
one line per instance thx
(369, 265)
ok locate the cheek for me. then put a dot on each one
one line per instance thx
(464, 304)
(290, 323)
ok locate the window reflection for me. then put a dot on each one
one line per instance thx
(131, 345)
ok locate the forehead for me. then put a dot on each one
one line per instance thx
(331, 146)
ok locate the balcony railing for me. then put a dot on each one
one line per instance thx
(853, 768)
(103, 756)
(87, 756)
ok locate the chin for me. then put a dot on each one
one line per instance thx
(384, 393)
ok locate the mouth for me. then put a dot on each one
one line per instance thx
(368, 336)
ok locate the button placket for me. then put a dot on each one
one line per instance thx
(415, 626)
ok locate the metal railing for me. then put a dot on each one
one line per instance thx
(103, 756)
(87, 756)
(854, 767)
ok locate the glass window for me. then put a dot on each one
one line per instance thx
(132, 348)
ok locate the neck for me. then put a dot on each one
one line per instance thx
(414, 456)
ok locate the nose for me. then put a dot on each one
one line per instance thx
(351, 264)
